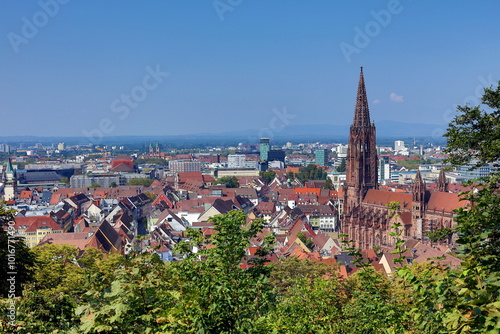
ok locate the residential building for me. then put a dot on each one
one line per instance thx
(35, 228)
(5, 148)
(184, 166)
(399, 145)
(384, 171)
(236, 161)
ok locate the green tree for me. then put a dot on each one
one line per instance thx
(15, 256)
(328, 184)
(49, 301)
(474, 134)
(95, 185)
(312, 304)
(140, 182)
(440, 234)
(218, 296)
(151, 161)
(139, 294)
(474, 137)
(268, 176)
(311, 172)
(152, 196)
(341, 167)
(64, 180)
(62, 277)
(206, 292)
(307, 241)
(228, 181)
(290, 271)
(113, 185)
(373, 303)
(467, 300)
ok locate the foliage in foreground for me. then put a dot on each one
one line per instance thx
(209, 292)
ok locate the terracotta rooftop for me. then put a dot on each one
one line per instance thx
(77, 239)
(381, 197)
(36, 222)
(446, 202)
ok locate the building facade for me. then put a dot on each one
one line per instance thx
(236, 161)
(184, 166)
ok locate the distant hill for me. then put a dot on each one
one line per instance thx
(386, 131)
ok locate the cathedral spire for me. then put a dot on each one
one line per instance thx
(361, 112)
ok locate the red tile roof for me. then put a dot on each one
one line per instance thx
(266, 207)
(78, 239)
(26, 194)
(381, 197)
(35, 222)
(446, 202)
(184, 176)
(308, 191)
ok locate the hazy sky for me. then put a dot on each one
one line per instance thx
(71, 68)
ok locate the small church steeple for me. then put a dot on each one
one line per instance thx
(442, 185)
(10, 170)
(10, 182)
(418, 188)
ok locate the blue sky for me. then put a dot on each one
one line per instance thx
(234, 64)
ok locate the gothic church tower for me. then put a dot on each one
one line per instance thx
(361, 161)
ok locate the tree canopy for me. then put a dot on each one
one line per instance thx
(15, 256)
(228, 181)
(474, 134)
(268, 176)
(311, 172)
(140, 182)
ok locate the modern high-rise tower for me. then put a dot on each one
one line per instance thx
(321, 157)
(264, 149)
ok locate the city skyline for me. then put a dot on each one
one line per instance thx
(115, 69)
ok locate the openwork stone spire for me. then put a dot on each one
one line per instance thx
(418, 188)
(442, 185)
(361, 112)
